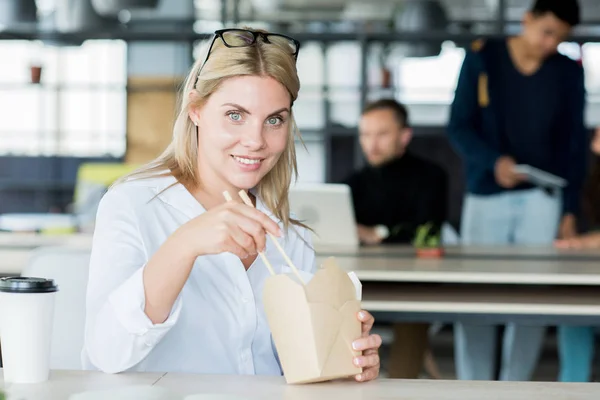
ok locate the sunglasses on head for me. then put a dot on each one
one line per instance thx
(233, 38)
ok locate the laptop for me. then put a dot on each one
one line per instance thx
(328, 210)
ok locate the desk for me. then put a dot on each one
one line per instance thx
(62, 384)
(532, 290)
(465, 252)
(28, 241)
(537, 305)
(480, 271)
(444, 290)
(65, 383)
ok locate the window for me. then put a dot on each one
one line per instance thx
(79, 109)
(591, 60)
(429, 80)
(591, 57)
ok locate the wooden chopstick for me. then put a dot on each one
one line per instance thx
(248, 202)
(260, 253)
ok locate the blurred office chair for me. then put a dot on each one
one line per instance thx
(93, 180)
(68, 266)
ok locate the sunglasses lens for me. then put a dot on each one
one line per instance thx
(283, 42)
(238, 38)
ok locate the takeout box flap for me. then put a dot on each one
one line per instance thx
(289, 319)
(339, 361)
(325, 325)
(330, 285)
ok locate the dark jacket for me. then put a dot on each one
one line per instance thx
(536, 119)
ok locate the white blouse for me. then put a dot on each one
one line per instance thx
(217, 324)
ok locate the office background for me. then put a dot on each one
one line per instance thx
(110, 71)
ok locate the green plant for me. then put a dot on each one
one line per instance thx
(427, 237)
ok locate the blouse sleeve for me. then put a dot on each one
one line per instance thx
(118, 333)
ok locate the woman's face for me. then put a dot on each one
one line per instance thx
(596, 142)
(243, 129)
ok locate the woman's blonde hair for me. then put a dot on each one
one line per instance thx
(272, 59)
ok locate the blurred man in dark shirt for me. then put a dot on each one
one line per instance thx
(395, 194)
(397, 191)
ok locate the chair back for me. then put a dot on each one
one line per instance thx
(93, 180)
(68, 266)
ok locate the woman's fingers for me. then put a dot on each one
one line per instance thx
(366, 343)
(253, 223)
(367, 321)
(368, 374)
(568, 243)
(261, 218)
(241, 239)
(561, 244)
(367, 360)
(255, 231)
(232, 247)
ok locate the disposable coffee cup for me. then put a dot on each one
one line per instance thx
(26, 317)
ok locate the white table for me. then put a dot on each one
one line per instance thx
(515, 301)
(65, 383)
(492, 284)
(28, 241)
(62, 384)
(480, 271)
(14, 253)
(465, 252)
(410, 289)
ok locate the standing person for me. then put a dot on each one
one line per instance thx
(393, 195)
(591, 201)
(518, 101)
(175, 283)
(576, 343)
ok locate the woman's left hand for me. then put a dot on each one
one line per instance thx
(369, 345)
(586, 241)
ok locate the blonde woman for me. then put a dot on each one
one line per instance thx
(175, 283)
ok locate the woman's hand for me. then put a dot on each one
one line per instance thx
(369, 345)
(568, 227)
(368, 235)
(587, 241)
(231, 227)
